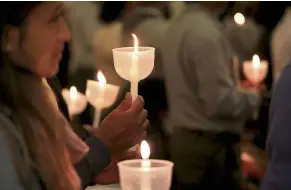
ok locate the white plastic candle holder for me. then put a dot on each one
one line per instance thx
(77, 105)
(125, 59)
(134, 175)
(93, 92)
(100, 97)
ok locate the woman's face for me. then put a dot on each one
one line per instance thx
(38, 45)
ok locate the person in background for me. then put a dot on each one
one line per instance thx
(149, 23)
(281, 43)
(38, 148)
(278, 172)
(83, 23)
(207, 108)
(244, 39)
(108, 37)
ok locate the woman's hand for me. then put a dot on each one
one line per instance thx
(124, 127)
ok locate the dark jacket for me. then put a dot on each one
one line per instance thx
(278, 174)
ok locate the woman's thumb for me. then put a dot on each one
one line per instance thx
(126, 103)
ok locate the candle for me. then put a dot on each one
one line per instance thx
(239, 19)
(100, 99)
(255, 70)
(145, 173)
(73, 96)
(256, 66)
(134, 70)
(134, 64)
(145, 165)
(75, 100)
(100, 95)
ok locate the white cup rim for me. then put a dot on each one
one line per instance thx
(122, 49)
(167, 164)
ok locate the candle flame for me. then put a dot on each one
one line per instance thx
(101, 78)
(256, 61)
(73, 93)
(145, 150)
(239, 18)
(135, 40)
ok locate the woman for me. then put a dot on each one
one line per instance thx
(37, 146)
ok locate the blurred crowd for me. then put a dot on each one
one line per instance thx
(200, 112)
(205, 116)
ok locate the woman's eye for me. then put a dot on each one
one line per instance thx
(57, 17)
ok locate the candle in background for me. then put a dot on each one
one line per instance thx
(73, 95)
(99, 105)
(134, 70)
(75, 100)
(255, 70)
(256, 66)
(145, 165)
(239, 19)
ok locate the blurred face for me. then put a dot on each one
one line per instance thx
(38, 45)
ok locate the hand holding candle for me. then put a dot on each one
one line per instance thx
(124, 127)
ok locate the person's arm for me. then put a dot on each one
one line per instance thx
(216, 90)
(97, 159)
(279, 138)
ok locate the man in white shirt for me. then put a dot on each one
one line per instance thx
(207, 109)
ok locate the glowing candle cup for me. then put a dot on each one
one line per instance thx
(134, 64)
(255, 70)
(100, 95)
(145, 174)
(75, 100)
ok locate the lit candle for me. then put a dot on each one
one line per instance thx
(239, 19)
(100, 99)
(255, 70)
(256, 66)
(73, 95)
(134, 70)
(75, 100)
(145, 165)
(100, 95)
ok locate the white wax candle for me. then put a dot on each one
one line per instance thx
(100, 101)
(256, 66)
(146, 165)
(134, 70)
(73, 99)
